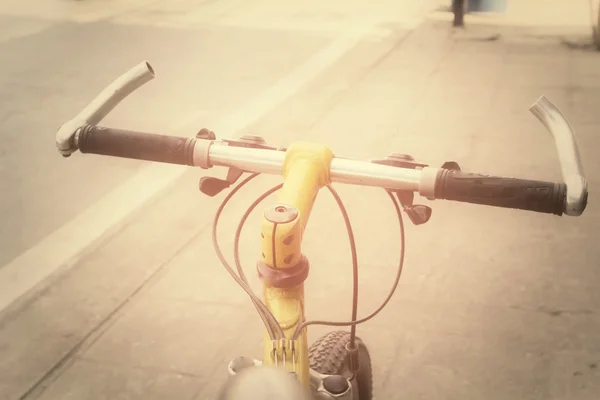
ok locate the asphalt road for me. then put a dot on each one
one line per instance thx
(47, 78)
(220, 65)
(493, 304)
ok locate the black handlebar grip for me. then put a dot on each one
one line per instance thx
(137, 145)
(544, 197)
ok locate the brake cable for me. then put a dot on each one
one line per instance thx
(390, 294)
(352, 349)
(267, 317)
(269, 320)
(236, 248)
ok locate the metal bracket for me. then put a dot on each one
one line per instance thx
(451, 165)
(326, 387)
(212, 186)
(417, 213)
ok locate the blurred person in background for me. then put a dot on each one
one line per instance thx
(458, 8)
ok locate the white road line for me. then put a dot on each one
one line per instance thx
(62, 246)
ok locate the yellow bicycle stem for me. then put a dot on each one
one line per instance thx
(305, 172)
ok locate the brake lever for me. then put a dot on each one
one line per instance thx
(103, 104)
(212, 186)
(568, 154)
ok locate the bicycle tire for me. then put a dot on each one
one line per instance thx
(328, 355)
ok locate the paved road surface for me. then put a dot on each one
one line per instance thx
(211, 61)
(493, 304)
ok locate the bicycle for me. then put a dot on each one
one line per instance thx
(338, 365)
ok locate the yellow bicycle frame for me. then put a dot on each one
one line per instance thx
(305, 172)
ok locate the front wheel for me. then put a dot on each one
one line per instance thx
(328, 355)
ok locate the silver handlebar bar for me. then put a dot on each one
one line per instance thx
(342, 170)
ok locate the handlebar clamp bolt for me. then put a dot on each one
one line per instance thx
(281, 214)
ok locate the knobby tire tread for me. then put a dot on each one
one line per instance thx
(328, 355)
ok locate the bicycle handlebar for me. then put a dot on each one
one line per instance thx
(569, 198)
(136, 145)
(434, 183)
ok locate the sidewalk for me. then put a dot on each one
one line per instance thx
(513, 314)
(542, 16)
(552, 13)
